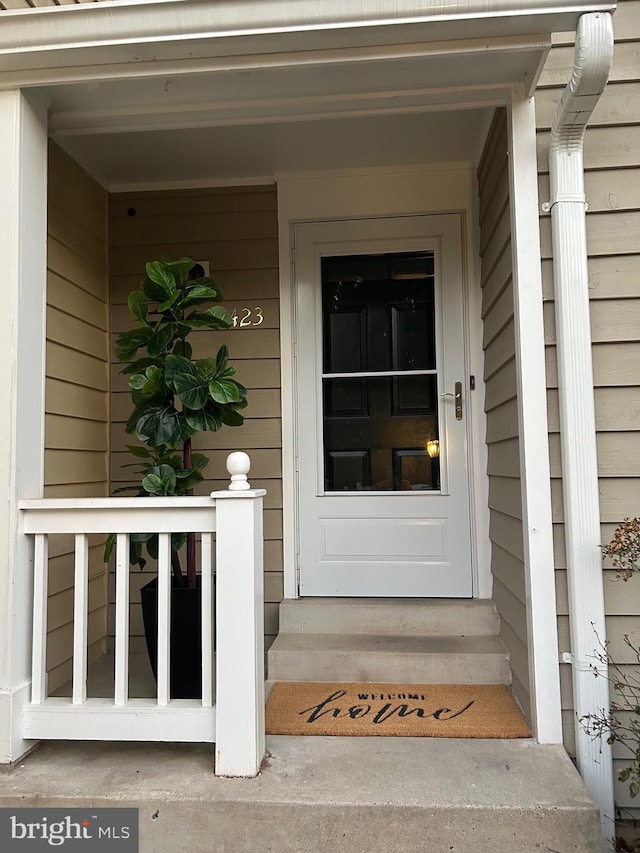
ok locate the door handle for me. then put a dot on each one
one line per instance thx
(457, 399)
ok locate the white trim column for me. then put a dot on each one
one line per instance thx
(537, 528)
(240, 689)
(23, 242)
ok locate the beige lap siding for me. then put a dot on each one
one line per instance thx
(77, 404)
(612, 163)
(235, 229)
(505, 529)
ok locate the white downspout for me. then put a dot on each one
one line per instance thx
(593, 56)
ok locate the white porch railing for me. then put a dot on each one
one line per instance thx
(235, 720)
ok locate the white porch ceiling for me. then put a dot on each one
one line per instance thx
(298, 113)
(193, 157)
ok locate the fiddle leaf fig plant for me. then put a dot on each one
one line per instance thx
(174, 395)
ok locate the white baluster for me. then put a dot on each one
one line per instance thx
(39, 649)
(207, 619)
(122, 619)
(164, 616)
(80, 619)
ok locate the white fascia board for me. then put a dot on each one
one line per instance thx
(152, 21)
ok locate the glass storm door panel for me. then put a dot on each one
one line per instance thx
(379, 395)
(383, 494)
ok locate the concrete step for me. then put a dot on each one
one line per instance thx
(388, 658)
(416, 616)
(322, 794)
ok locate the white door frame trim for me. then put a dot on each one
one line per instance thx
(314, 198)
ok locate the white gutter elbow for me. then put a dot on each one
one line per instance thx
(592, 63)
(593, 56)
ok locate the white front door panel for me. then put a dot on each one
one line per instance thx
(380, 348)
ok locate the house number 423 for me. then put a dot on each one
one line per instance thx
(247, 317)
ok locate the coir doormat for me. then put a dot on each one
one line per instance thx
(409, 710)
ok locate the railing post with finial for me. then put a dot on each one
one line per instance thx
(239, 624)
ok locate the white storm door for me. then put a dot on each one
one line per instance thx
(383, 485)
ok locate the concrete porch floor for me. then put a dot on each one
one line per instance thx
(318, 794)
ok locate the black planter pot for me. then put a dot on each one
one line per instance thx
(185, 659)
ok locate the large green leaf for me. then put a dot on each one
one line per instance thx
(192, 390)
(191, 482)
(140, 364)
(200, 293)
(204, 281)
(160, 480)
(152, 546)
(138, 305)
(224, 391)
(153, 291)
(182, 347)
(177, 541)
(181, 375)
(177, 365)
(135, 554)
(139, 452)
(150, 383)
(151, 395)
(109, 545)
(160, 425)
(134, 417)
(141, 537)
(199, 461)
(186, 431)
(143, 402)
(137, 381)
(221, 360)
(190, 477)
(128, 343)
(182, 267)
(160, 274)
(168, 458)
(232, 418)
(207, 368)
(190, 380)
(205, 420)
(161, 339)
(168, 303)
(215, 317)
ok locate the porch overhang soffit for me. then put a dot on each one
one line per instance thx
(144, 64)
